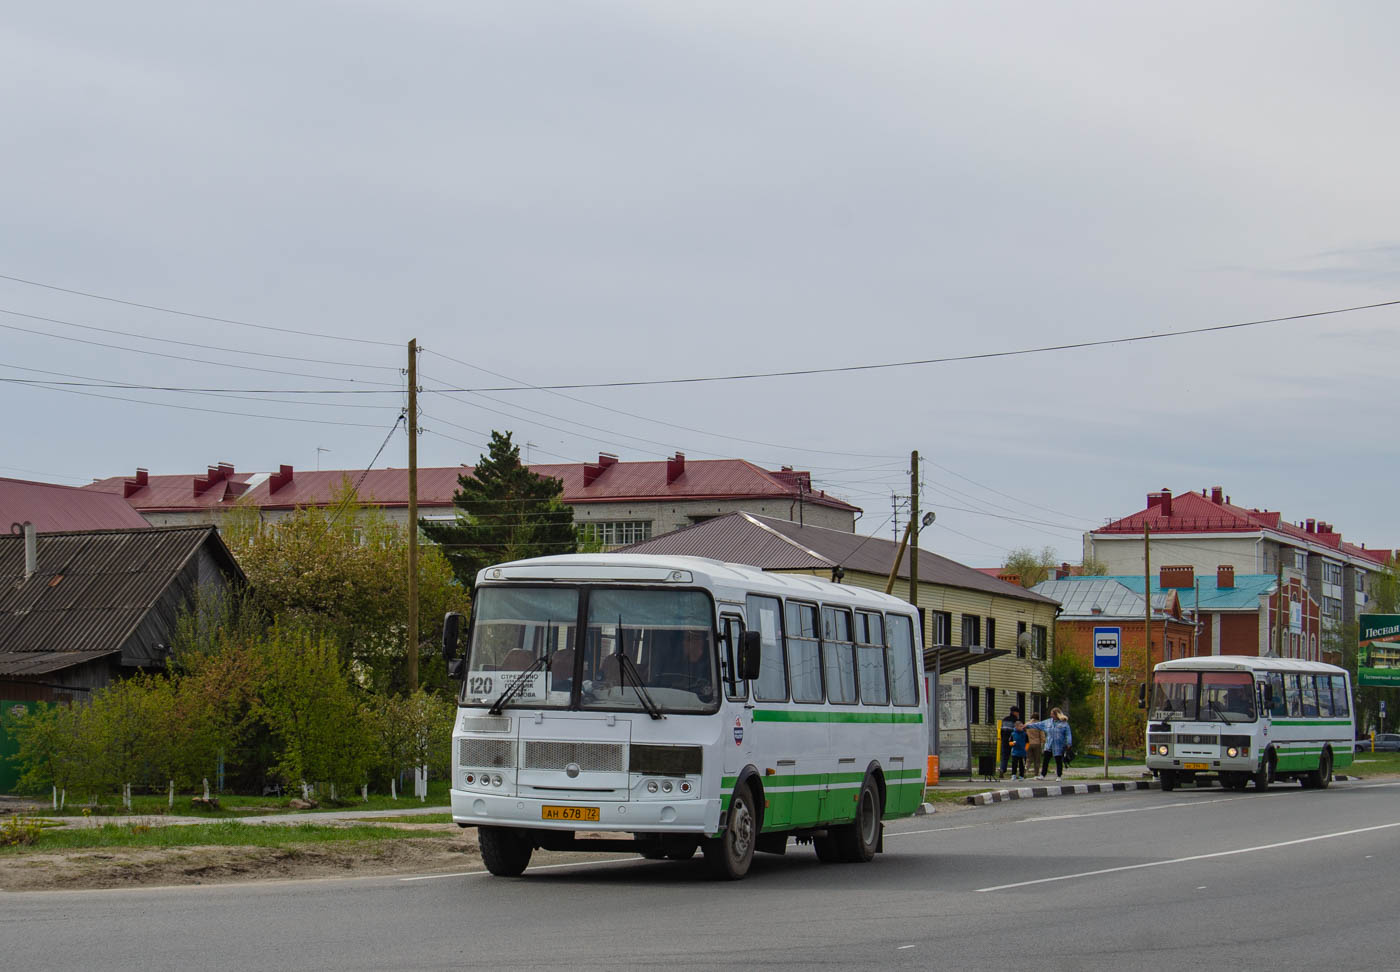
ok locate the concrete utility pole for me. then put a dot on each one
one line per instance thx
(413, 515)
(1147, 600)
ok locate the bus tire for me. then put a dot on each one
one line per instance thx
(730, 854)
(1168, 780)
(1319, 778)
(828, 851)
(1265, 776)
(504, 850)
(858, 840)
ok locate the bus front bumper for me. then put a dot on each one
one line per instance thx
(1204, 764)
(639, 816)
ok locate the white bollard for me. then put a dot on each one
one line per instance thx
(393, 788)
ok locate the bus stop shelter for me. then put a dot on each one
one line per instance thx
(950, 736)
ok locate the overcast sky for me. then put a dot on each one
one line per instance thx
(577, 192)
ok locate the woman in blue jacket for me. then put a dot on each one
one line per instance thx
(1058, 738)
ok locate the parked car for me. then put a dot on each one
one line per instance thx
(1386, 742)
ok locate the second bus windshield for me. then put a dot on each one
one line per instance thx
(1203, 696)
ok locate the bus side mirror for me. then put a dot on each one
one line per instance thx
(451, 632)
(750, 654)
(1142, 695)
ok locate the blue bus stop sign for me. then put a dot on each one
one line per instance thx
(1108, 647)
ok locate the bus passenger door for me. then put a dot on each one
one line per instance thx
(738, 736)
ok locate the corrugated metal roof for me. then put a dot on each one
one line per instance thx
(1244, 596)
(620, 481)
(772, 544)
(53, 508)
(1089, 597)
(91, 589)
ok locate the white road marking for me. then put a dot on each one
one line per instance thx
(903, 947)
(1194, 857)
(542, 867)
(935, 830)
(1105, 813)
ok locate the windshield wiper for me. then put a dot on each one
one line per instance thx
(517, 685)
(1218, 711)
(628, 667)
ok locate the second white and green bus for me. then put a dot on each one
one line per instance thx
(1243, 718)
(668, 704)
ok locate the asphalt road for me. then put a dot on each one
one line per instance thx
(1194, 879)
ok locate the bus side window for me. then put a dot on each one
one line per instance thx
(1294, 693)
(1279, 709)
(904, 684)
(804, 652)
(735, 688)
(767, 615)
(1324, 694)
(1340, 706)
(870, 638)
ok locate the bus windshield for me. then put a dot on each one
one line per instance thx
(522, 635)
(1174, 695)
(1227, 696)
(650, 648)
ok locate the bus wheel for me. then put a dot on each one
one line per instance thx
(504, 850)
(730, 854)
(857, 841)
(1168, 780)
(828, 851)
(1320, 777)
(681, 851)
(1265, 776)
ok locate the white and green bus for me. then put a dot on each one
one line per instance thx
(664, 704)
(1241, 718)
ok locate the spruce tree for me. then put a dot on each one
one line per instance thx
(504, 512)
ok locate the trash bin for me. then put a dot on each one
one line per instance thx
(986, 765)
(933, 771)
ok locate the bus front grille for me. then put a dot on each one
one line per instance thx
(1196, 739)
(590, 757)
(494, 753)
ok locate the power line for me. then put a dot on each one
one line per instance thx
(202, 317)
(180, 357)
(1077, 345)
(132, 386)
(124, 386)
(191, 344)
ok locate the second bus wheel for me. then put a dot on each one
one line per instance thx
(504, 850)
(730, 854)
(858, 840)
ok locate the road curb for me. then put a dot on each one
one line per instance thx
(924, 809)
(1074, 789)
(1059, 789)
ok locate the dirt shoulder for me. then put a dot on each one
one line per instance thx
(117, 867)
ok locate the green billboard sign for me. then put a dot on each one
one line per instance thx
(1378, 654)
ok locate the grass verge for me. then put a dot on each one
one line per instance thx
(1373, 764)
(228, 833)
(233, 805)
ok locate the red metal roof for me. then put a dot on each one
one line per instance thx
(53, 509)
(615, 482)
(1193, 512)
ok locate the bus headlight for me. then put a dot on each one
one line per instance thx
(1162, 750)
(1232, 752)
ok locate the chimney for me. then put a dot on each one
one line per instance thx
(280, 478)
(1217, 495)
(1178, 576)
(31, 548)
(1166, 502)
(217, 474)
(1225, 577)
(1063, 571)
(592, 470)
(675, 467)
(1310, 525)
(134, 485)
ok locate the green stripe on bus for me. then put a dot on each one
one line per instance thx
(808, 779)
(1312, 722)
(785, 715)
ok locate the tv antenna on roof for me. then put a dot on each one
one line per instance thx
(319, 450)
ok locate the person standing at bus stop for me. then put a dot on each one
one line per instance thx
(1008, 723)
(1058, 738)
(1035, 744)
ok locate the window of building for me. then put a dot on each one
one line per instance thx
(1332, 608)
(942, 627)
(1021, 704)
(974, 711)
(1331, 573)
(616, 533)
(1041, 634)
(991, 705)
(1020, 630)
(971, 630)
(991, 632)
